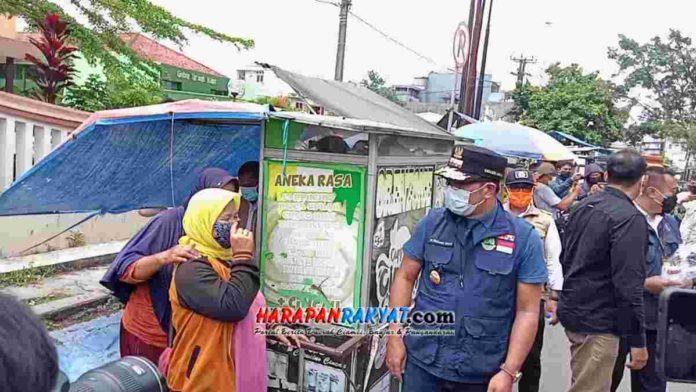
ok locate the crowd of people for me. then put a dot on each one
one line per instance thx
(589, 256)
(511, 249)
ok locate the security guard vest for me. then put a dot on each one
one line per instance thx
(478, 272)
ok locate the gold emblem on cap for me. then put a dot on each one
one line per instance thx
(458, 152)
(435, 277)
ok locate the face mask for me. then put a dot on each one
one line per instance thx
(563, 176)
(457, 201)
(519, 198)
(222, 232)
(249, 193)
(592, 180)
(669, 203)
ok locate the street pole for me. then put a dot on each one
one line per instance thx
(465, 68)
(479, 96)
(476, 40)
(341, 48)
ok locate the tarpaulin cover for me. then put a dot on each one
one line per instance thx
(136, 158)
(85, 346)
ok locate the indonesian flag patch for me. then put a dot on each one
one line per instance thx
(505, 244)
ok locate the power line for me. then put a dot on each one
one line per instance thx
(387, 36)
(396, 41)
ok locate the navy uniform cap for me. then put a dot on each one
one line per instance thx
(469, 162)
(519, 177)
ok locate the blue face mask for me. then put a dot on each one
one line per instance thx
(222, 232)
(457, 201)
(249, 193)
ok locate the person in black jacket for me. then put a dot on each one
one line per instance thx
(604, 266)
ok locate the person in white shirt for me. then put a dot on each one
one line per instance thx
(545, 198)
(687, 200)
(520, 190)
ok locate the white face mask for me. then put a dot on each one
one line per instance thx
(457, 201)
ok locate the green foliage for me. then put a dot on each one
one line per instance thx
(580, 104)
(281, 102)
(98, 39)
(666, 70)
(520, 96)
(116, 91)
(376, 83)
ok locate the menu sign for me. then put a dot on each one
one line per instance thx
(312, 234)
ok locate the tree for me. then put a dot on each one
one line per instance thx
(53, 72)
(661, 75)
(520, 96)
(580, 104)
(376, 83)
(99, 39)
(114, 91)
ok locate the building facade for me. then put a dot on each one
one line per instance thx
(181, 77)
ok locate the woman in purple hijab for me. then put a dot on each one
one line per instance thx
(141, 273)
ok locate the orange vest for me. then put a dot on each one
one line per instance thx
(202, 358)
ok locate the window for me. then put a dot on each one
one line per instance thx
(306, 137)
(299, 106)
(241, 75)
(169, 85)
(259, 77)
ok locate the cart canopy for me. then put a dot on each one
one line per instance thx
(121, 160)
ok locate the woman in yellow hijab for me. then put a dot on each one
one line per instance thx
(212, 297)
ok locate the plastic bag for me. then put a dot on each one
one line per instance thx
(681, 265)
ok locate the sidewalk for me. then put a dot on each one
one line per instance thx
(60, 284)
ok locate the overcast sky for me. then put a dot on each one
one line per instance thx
(301, 35)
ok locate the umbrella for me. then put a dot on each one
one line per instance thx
(515, 140)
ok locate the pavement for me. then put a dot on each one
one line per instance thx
(555, 363)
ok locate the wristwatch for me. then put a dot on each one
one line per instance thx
(515, 376)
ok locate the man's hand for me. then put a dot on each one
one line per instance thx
(656, 284)
(242, 241)
(639, 358)
(551, 308)
(396, 356)
(180, 254)
(290, 339)
(577, 177)
(595, 188)
(501, 382)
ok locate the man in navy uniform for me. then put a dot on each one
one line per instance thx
(480, 262)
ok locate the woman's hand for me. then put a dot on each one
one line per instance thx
(179, 254)
(242, 241)
(288, 338)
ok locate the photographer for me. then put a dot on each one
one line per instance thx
(27, 354)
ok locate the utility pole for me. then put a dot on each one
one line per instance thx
(482, 77)
(465, 69)
(476, 43)
(522, 67)
(341, 49)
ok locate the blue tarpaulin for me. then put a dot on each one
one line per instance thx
(120, 164)
(88, 345)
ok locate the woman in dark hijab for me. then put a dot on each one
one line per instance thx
(141, 273)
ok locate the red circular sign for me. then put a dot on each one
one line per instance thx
(460, 47)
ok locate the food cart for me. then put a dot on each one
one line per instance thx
(339, 198)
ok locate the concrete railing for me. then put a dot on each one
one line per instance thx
(29, 130)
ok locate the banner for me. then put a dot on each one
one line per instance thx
(312, 234)
(404, 196)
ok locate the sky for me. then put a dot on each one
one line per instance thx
(301, 35)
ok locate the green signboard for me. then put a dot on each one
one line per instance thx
(312, 234)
